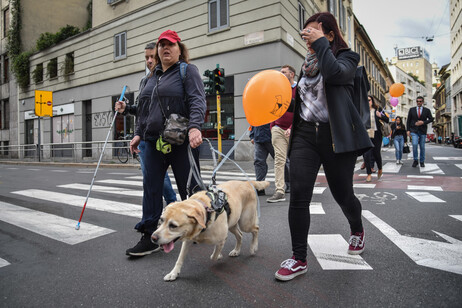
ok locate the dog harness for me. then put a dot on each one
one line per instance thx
(219, 204)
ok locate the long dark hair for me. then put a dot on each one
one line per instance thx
(400, 120)
(374, 104)
(329, 24)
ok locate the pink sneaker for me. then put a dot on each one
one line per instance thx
(290, 269)
(356, 243)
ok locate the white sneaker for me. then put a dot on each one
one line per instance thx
(397, 162)
(400, 162)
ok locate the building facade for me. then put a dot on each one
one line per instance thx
(74, 12)
(378, 73)
(456, 65)
(442, 98)
(243, 37)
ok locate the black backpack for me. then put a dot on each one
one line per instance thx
(361, 89)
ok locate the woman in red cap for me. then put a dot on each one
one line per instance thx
(178, 92)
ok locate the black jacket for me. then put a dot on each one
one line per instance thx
(347, 129)
(413, 117)
(186, 99)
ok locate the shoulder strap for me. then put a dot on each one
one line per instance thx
(183, 66)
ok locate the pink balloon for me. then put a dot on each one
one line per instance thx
(394, 101)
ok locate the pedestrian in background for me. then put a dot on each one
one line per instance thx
(168, 192)
(177, 95)
(260, 137)
(417, 120)
(399, 137)
(280, 133)
(327, 130)
(375, 133)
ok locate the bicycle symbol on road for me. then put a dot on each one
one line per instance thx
(378, 197)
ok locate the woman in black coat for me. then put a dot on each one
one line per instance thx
(326, 130)
(375, 133)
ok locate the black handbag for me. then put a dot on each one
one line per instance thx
(406, 149)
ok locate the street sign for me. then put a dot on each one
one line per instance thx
(43, 103)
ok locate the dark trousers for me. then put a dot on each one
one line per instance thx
(374, 154)
(262, 149)
(156, 164)
(311, 147)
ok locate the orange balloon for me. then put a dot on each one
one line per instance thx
(396, 89)
(266, 97)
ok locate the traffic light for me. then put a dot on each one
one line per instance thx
(219, 78)
(209, 83)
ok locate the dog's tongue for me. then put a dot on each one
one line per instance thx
(168, 247)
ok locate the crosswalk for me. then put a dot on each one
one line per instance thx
(329, 249)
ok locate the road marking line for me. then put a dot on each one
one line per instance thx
(458, 217)
(391, 168)
(421, 187)
(439, 255)
(122, 182)
(331, 252)
(62, 171)
(420, 176)
(105, 189)
(431, 169)
(458, 165)
(424, 197)
(316, 208)
(365, 185)
(109, 206)
(52, 226)
(447, 158)
(3, 262)
(319, 190)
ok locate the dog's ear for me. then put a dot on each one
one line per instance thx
(198, 216)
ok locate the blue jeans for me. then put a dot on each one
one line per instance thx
(418, 139)
(168, 192)
(262, 149)
(399, 144)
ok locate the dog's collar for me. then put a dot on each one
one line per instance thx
(208, 210)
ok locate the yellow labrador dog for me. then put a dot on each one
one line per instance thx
(193, 220)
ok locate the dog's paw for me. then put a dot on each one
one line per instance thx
(234, 253)
(171, 276)
(253, 250)
(219, 257)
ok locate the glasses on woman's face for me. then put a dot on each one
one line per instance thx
(369, 100)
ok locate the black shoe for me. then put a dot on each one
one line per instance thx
(422, 164)
(415, 163)
(261, 192)
(144, 247)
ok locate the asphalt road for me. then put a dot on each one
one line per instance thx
(413, 257)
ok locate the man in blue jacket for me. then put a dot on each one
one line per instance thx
(260, 136)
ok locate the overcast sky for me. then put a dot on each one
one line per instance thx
(407, 23)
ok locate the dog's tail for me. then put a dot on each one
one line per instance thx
(260, 185)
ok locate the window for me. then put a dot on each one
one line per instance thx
(218, 15)
(38, 73)
(301, 16)
(332, 7)
(52, 68)
(4, 115)
(120, 46)
(6, 69)
(69, 63)
(342, 16)
(6, 21)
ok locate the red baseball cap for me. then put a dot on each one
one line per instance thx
(170, 35)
